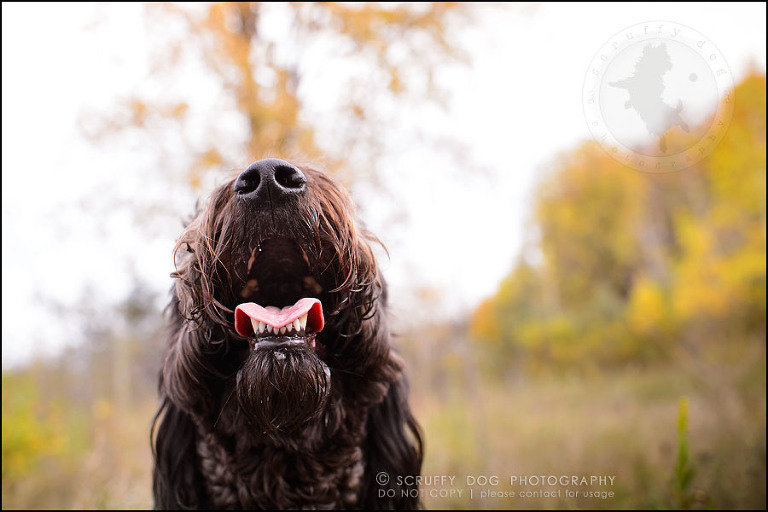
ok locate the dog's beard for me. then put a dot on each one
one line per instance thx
(282, 388)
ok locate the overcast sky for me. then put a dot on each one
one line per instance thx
(516, 105)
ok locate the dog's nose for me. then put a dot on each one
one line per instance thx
(270, 179)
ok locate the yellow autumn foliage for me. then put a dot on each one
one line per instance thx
(633, 264)
(648, 309)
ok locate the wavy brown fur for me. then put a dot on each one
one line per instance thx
(240, 427)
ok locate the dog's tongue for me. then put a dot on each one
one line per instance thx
(277, 317)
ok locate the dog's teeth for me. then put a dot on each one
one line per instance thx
(303, 322)
(298, 325)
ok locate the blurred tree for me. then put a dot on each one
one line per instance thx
(519, 299)
(291, 80)
(635, 266)
(720, 272)
(588, 213)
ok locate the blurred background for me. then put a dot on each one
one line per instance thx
(561, 314)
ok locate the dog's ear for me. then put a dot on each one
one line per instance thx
(393, 451)
(176, 482)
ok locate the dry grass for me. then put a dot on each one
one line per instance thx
(106, 465)
(623, 425)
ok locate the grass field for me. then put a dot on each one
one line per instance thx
(621, 425)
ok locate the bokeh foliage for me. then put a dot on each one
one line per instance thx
(631, 267)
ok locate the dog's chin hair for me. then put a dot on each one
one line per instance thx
(280, 390)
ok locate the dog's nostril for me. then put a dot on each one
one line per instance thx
(289, 177)
(247, 183)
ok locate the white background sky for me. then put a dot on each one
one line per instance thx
(516, 105)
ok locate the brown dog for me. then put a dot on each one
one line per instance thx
(279, 388)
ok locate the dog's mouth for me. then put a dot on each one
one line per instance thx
(273, 326)
(280, 305)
